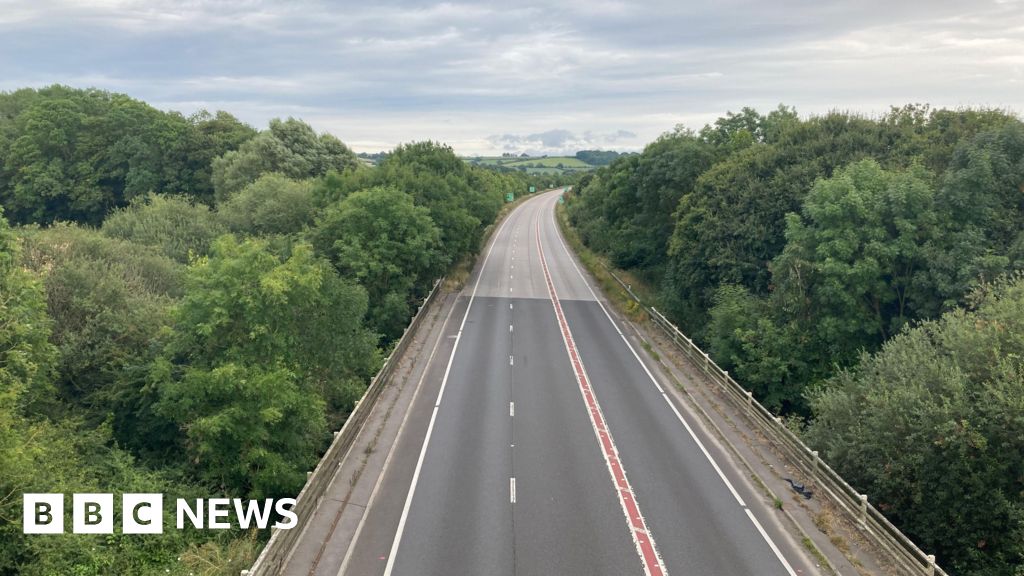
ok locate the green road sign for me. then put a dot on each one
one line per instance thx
(509, 197)
(533, 189)
(561, 199)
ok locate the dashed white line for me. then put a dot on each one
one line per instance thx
(512, 409)
(511, 361)
(512, 489)
(393, 554)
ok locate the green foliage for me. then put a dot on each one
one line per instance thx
(260, 346)
(76, 154)
(39, 456)
(461, 199)
(597, 157)
(746, 338)
(732, 224)
(26, 356)
(110, 300)
(931, 427)
(803, 245)
(626, 209)
(289, 147)
(249, 430)
(388, 244)
(854, 262)
(438, 179)
(272, 205)
(214, 135)
(980, 199)
(178, 228)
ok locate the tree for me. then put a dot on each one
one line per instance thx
(980, 202)
(769, 355)
(290, 332)
(177, 227)
(854, 261)
(391, 246)
(627, 211)
(110, 301)
(290, 148)
(273, 204)
(732, 224)
(26, 356)
(249, 431)
(213, 135)
(931, 428)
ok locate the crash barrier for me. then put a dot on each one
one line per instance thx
(906, 556)
(275, 554)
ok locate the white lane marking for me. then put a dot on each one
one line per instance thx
(391, 451)
(643, 540)
(512, 489)
(679, 416)
(512, 409)
(704, 450)
(511, 362)
(509, 327)
(509, 305)
(393, 554)
(778, 553)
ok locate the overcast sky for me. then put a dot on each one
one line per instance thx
(519, 75)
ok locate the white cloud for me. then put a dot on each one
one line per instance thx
(388, 71)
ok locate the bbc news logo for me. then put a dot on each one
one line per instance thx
(144, 513)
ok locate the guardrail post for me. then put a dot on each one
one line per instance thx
(707, 363)
(817, 461)
(931, 564)
(863, 510)
(750, 399)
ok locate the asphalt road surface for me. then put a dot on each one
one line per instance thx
(543, 444)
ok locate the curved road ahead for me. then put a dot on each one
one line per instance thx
(542, 444)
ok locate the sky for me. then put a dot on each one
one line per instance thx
(519, 76)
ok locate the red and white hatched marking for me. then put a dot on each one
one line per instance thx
(642, 538)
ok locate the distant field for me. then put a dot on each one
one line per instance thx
(548, 165)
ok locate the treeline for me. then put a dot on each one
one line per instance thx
(860, 275)
(189, 306)
(597, 157)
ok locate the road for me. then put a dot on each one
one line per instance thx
(542, 443)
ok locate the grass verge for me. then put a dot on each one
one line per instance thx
(598, 267)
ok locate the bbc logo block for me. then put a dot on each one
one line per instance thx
(144, 513)
(92, 513)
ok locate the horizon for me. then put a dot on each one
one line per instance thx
(487, 79)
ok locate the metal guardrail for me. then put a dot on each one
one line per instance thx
(278, 549)
(906, 556)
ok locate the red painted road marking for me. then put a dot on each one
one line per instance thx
(652, 563)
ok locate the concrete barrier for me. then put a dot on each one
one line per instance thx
(279, 548)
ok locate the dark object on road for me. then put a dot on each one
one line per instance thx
(799, 488)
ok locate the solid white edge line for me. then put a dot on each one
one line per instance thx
(393, 554)
(570, 346)
(778, 553)
(391, 451)
(714, 464)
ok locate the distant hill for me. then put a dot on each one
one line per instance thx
(583, 161)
